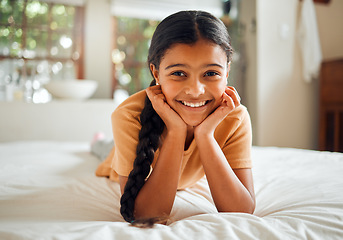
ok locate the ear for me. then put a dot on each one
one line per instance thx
(155, 73)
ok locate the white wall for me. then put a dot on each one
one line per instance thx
(98, 37)
(249, 49)
(286, 107)
(62, 120)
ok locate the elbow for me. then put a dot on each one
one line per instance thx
(250, 206)
(247, 206)
(145, 211)
(248, 210)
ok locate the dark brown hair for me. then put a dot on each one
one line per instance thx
(185, 27)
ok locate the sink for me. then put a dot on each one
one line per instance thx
(78, 89)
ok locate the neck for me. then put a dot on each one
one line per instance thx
(189, 137)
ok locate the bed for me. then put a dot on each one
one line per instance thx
(48, 190)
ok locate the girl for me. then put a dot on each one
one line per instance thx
(187, 124)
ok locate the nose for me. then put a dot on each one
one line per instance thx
(195, 88)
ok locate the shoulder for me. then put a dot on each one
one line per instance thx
(238, 114)
(238, 119)
(131, 108)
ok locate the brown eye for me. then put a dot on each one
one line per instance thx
(178, 74)
(211, 74)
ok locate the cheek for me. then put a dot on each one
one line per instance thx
(219, 90)
(169, 91)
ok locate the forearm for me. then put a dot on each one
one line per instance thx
(228, 192)
(157, 196)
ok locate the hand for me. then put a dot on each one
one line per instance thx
(230, 100)
(171, 119)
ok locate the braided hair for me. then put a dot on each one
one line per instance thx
(185, 27)
(148, 141)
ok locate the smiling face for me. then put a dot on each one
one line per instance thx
(193, 79)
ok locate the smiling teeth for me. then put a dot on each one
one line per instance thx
(198, 104)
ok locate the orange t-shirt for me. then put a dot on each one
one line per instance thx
(233, 135)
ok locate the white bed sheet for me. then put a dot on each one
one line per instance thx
(48, 190)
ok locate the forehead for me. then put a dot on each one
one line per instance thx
(201, 52)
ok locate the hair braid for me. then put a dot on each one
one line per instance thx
(149, 139)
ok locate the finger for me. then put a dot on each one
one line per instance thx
(157, 98)
(156, 87)
(153, 91)
(235, 91)
(161, 95)
(233, 95)
(149, 93)
(222, 111)
(229, 102)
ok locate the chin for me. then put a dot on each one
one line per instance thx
(193, 122)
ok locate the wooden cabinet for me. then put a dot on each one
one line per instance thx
(331, 106)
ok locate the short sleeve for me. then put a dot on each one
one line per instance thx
(237, 147)
(125, 134)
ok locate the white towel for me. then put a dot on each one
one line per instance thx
(309, 41)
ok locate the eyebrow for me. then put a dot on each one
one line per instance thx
(186, 66)
(176, 65)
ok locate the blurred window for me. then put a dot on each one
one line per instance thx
(41, 40)
(130, 52)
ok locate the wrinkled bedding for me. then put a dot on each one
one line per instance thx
(48, 190)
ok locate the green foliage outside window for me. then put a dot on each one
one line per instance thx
(130, 53)
(38, 43)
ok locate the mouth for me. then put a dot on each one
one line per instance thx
(194, 104)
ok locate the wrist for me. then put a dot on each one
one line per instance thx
(176, 133)
(201, 136)
(200, 133)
